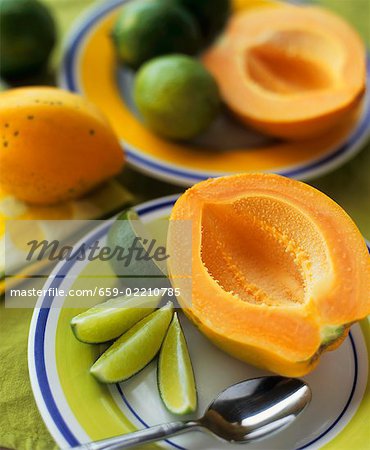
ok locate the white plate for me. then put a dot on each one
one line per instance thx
(58, 364)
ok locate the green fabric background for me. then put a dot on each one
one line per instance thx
(21, 427)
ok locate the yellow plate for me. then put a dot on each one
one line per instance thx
(89, 66)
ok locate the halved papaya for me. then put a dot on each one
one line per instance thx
(292, 72)
(279, 270)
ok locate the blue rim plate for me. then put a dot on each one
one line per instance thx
(339, 384)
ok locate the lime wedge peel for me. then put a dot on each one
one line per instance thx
(176, 380)
(143, 273)
(135, 349)
(112, 318)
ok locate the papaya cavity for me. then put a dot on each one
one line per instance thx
(252, 258)
(294, 61)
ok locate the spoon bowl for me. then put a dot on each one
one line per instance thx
(254, 408)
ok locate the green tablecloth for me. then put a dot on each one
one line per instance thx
(21, 427)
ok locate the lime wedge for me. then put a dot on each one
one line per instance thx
(127, 232)
(112, 318)
(135, 349)
(175, 373)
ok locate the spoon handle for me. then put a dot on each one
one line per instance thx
(145, 436)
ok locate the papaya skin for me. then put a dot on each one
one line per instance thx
(269, 300)
(54, 146)
(261, 358)
(293, 72)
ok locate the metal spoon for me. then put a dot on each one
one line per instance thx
(241, 413)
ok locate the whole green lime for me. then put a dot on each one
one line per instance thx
(211, 15)
(149, 28)
(176, 96)
(27, 36)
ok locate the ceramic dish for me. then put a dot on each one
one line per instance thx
(89, 67)
(77, 409)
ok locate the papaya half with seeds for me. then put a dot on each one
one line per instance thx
(293, 72)
(279, 270)
(54, 145)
